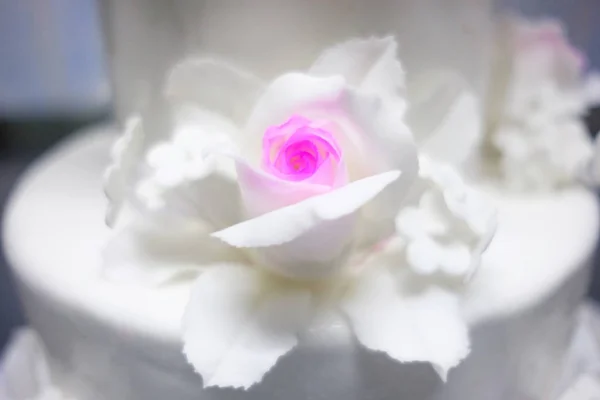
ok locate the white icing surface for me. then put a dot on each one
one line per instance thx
(107, 341)
(541, 240)
(268, 37)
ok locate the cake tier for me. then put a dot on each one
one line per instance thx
(110, 341)
(268, 37)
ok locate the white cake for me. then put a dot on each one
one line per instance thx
(146, 37)
(107, 340)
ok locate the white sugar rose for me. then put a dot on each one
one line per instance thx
(539, 97)
(283, 200)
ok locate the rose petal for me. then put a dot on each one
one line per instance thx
(288, 95)
(372, 134)
(235, 327)
(444, 116)
(288, 223)
(24, 366)
(370, 65)
(331, 173)
(263, 193)
(214, 85)
(308, 239)
(125, 156)
(152, 255)
(424, 326)
(388, 145)
(460, 131)
(319, 152)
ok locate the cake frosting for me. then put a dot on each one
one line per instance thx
(291, 221)
(106, 340)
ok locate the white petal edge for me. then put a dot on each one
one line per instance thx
(445, 117)
(377, 102)
(424, 326)
(126, 155)
(389, 144)
(214, 85)
(370, 64)
(288, 223)
(236, 327)
(457, 138)
(263, 193)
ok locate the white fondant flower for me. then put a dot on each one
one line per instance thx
(24, 370)
(448, 227)
(310, 153)
(539, 98)
(301, 180)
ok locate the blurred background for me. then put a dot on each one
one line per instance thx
(54, 80)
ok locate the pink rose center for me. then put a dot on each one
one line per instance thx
(303, 150)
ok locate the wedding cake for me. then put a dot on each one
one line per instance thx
(311, 200)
